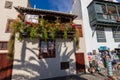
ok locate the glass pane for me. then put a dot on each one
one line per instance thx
(119, 10)
(44, 47)
(100, 34)
(0, 45)
(4, 45)
(50, 45)
(112, 13)
(100, 8)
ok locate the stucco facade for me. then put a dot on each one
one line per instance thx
(6, 14)
(27, 65)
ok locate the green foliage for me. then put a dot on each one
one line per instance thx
(77, 38)
(65, 34)
(69, 28)
(33, 33)
(44, 29)
(45, 35)
(11, 46)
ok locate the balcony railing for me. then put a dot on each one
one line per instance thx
(104, 13)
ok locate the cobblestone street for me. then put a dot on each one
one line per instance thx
(88, 76)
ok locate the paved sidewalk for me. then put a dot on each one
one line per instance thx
(88, 76)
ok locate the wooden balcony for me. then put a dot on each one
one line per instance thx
(104, 13)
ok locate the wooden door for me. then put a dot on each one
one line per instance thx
(80, 62)
(5, 67)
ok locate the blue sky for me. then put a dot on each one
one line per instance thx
(57, 5)
(118, 0)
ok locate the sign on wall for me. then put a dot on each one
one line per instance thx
(31, 18)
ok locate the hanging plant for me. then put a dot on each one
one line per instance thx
(42, 21)
(16, 25)
(69, 28)
(33, 33)
(11, 46)
(52, 32)
(45, 35)
(65, 34)
(44, 29)
(77, 35)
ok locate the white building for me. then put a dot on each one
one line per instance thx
(98, 35)
(7, 14)
(29, 61)
(33, 60)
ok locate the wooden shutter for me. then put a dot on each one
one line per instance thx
(5, 67)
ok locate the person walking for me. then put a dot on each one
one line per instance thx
(109, 66)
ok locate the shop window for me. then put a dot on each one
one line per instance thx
(47, 49)
(8, 26)
(64, 65)
(8, 4)
(100, 34)
(3, 45)
(116, 34)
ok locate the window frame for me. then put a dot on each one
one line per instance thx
(3, 45)
(115, 32)
(50, 53)
(8, 30)
(64, 65)
(10, 4)
(99, 32)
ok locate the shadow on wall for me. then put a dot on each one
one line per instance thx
(29, 67)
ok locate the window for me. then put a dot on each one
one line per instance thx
(100, 8)
(100, 34)
(116, 34)
(101, 11)
(3, 45)
(80, 30)
(8, 25)
(112, 13)
(8, 4)
(64, 65)
(47, 49)
(118, 10)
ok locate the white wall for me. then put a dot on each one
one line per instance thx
(77, 9)
(6, 14)
(80, 8)
(27, 66)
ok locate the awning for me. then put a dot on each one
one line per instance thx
(103, 48)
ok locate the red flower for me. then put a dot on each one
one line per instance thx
(52, 25)
(73, 25)
(29, 23)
